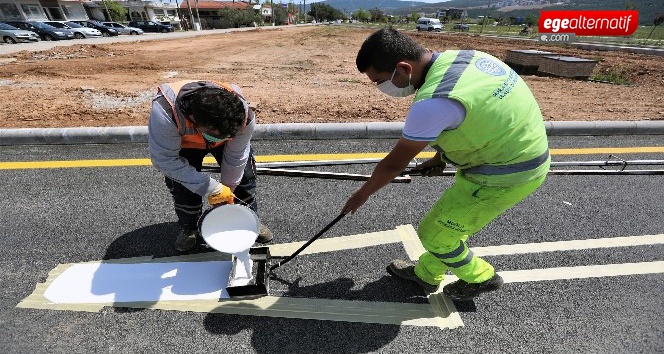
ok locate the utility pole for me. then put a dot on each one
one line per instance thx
(107, 12)
(191, 16)
(272, 10)
(200, 26)
(484, 21)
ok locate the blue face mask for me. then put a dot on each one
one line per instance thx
(212, 139)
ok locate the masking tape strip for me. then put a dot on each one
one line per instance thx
(411, 242)
(302, 308)
(446, 313)
(337, 243)
(626, 241)
(316, 309)
(579, 272)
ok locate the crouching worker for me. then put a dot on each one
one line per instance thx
(479, 115)
(188, 120)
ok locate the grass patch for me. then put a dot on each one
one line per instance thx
(613, 76)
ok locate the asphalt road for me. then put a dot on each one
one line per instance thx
(69, 215)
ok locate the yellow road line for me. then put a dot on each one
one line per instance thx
(20, 165)
(624, 150)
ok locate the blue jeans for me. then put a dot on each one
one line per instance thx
(189, 205)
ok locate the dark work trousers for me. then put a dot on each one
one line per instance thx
(189, 205)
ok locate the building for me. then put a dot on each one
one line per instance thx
(63, 10)
(162, 12)
(41, 10)
(208, 11)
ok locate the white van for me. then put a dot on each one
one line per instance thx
(429, 24)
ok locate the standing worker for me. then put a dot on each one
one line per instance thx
(479, 115)
(188, 120)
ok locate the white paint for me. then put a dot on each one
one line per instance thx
(110, 282)
(243, 265)
(230, 228)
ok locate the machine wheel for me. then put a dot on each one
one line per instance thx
(48, 37)
(105, 34)
(9, 40)
(164, 31)
(133, 33)
(78, 35)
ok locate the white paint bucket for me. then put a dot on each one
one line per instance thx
(230, 228)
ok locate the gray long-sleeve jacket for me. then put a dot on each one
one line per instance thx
(164, 146)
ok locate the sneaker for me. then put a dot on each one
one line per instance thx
(264, 234)
(461, 290)
(406, 270)
(186, 240)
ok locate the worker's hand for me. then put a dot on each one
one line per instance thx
(430, 168)
(354, 202)
(221, 195)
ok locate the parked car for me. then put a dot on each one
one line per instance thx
(461, 27)
(429, 24)
(105, 30)
(122, 28)
(79, 31)
(45, 32)
(13, 35)
(151, 26)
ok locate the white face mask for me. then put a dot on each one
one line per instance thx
(389, 88)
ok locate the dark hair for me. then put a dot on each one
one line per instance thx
(217, 109)
(385, 48)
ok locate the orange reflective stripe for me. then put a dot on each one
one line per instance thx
(191, 137)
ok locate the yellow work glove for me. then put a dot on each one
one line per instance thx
(221, 195)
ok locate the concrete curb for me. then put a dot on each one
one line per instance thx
(303, 131)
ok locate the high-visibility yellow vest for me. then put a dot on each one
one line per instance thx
(502, 140)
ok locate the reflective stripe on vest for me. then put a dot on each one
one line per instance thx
(508, 169)
(454, 72)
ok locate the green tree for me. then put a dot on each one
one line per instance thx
(280, 15)
(362, 15)
(531, 20)
(321, 12)
(234, 18)
(414, 16)
(377, 15)
(115, 11)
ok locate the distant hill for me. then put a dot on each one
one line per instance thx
(647, 8)
(386, 6)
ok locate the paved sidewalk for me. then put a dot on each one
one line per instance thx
(301, 131)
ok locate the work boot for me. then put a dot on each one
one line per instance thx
(406, 270)
(264, 234)
(461, 290)
(186, 240)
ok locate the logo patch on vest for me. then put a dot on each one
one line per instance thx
(490, 67)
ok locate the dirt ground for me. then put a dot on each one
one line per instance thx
(305, 74)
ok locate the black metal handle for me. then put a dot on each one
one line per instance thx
(319, 234)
